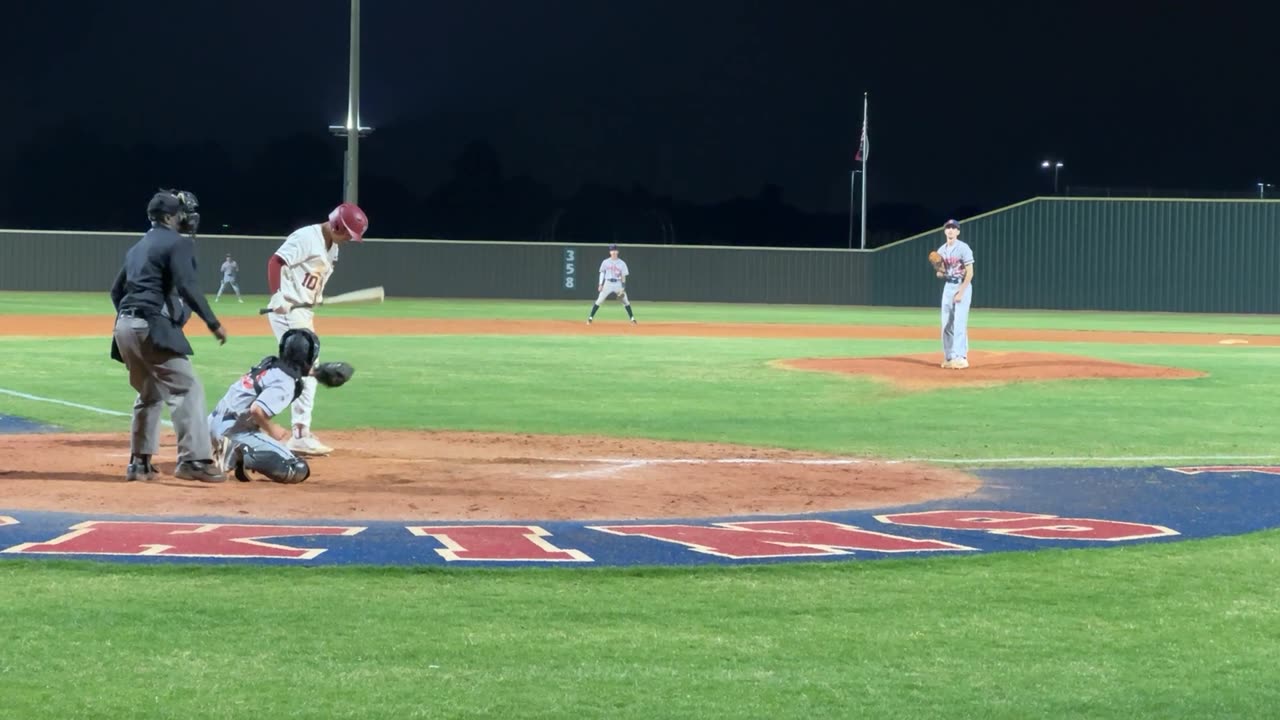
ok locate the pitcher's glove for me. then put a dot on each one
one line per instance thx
(333, 374)
(936, 261)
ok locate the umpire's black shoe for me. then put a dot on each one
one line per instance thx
(145, 472)
(202, 470)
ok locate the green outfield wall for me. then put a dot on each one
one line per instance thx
(1046, 253)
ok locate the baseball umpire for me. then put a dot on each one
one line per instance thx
(154, 295)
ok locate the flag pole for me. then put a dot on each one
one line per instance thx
(853, 174)
(863, 154)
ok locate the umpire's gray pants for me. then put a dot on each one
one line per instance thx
(162, 378)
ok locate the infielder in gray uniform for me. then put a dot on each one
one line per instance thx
(244, 436)
(613, 281)
(230, 269)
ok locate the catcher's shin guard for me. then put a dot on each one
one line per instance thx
(278, 468)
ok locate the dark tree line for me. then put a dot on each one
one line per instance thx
(73, 178)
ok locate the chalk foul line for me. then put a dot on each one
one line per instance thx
(68, 403)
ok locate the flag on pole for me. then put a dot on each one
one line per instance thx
(863, 145)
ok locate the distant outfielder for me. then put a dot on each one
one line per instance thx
(296, 275)
(230, 270)
(244, 436)
(613, 281)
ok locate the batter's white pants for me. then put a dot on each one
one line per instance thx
(300, 410)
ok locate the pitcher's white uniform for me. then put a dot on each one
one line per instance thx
(307, 268)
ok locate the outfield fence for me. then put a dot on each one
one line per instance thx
(1067, 253)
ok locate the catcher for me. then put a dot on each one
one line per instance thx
(244, 436)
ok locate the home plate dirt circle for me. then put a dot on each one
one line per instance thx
(406, 475)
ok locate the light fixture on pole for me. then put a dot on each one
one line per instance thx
(1056, 165)
(1262, 189)
(352, 130)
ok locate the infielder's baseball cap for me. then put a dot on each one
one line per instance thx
(951, 223)
(613, 246)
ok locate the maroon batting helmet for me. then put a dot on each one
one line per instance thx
(349, 218)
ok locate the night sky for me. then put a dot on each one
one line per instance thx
(699, 100)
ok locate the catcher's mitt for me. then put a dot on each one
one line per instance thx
(935, 260)
(333, 374)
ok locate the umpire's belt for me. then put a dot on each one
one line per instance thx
(133, 313)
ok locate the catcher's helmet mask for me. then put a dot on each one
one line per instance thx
(181, 204)
(300, 348)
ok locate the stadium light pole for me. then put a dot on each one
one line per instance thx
(1262, 189)
(1056, 165)
(352, 130)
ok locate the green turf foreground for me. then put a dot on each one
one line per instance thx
(1126, 633)
(1177, 630)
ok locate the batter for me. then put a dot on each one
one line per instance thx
(297, 274)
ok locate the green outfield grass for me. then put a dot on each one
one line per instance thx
(1185, 629)
(12, 303)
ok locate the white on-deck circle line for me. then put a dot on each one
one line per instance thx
(744, 461)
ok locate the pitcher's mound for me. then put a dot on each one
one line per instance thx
(475, 476)
(986, 368)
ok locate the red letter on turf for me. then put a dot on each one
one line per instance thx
(1029, 525)
(774, 539)
(519, 543)
(212, 540)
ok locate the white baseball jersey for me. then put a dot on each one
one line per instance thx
(613, 270)
(229, 270)
(307, 267)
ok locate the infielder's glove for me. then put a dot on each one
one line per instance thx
(333, 374)
(935, 260)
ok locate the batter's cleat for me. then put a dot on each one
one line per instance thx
(308, 445)
(633, 321)
(144, 472)
(200, 470)
(959, 364)
(588, 321)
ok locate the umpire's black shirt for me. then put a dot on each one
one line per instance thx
(159, 283)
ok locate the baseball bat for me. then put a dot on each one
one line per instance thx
(374, 294)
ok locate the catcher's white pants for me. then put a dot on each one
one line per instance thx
(613, 288)
(300, 410)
